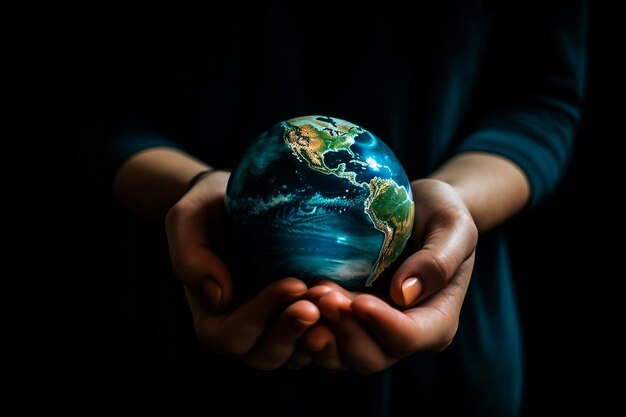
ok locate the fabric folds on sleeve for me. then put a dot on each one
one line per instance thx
(530, 98)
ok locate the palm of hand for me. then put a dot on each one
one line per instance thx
(265, 330)
(360, 332)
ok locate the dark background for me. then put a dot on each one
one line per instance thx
(564, 268)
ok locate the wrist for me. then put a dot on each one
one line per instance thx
(203, 174)
(150, 182)
(199, 176)
(492, 187)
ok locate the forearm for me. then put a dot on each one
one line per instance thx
(492, 187)
(150, 182)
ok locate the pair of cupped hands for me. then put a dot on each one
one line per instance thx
(291, 325)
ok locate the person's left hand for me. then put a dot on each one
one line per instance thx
(364, 333)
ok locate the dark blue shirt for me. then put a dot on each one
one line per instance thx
(499, 77)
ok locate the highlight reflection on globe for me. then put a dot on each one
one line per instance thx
(318, 197)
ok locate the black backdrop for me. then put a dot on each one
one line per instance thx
(564, 269)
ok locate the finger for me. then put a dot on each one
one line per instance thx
(204, 273)
(397, 334)
(356, 347)
(323, 287)
(322, 345)
(207, 324)
(449, 241)
(430, 326)
(316, 292)
(277, 346)
(299, 359)
(242, 328)
(194, 263)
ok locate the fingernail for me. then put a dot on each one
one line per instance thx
(214, 294)
(305, 323)
(410, 290)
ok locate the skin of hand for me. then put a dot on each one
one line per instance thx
(360, 332)
(364, 333)
(265, 330)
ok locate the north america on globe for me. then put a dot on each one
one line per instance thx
(318, 198)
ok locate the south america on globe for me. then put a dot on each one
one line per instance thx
(320, 198)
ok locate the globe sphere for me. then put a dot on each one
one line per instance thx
(319, 198)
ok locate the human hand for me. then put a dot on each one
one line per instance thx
(366, 334)
(264, 331)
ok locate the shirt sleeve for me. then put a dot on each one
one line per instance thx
(531, 93)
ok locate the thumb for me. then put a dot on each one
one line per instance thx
(195, 264)
(418, 276)
(205, 274)
(448, 244)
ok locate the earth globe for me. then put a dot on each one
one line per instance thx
(319, 198)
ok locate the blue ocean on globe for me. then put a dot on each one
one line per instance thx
(316, 198)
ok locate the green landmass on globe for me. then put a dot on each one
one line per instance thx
(391, 211)
(301, 224)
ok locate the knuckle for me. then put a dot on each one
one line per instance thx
(448, 215)
(442, 265)
(465, 222)
(174, 213)
(472, 230)
(183, 208)
(446, 339)
(181, 268)
(188, 269)
(460, 219)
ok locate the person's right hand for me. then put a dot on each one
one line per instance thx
(366, 333)
(264, 331)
